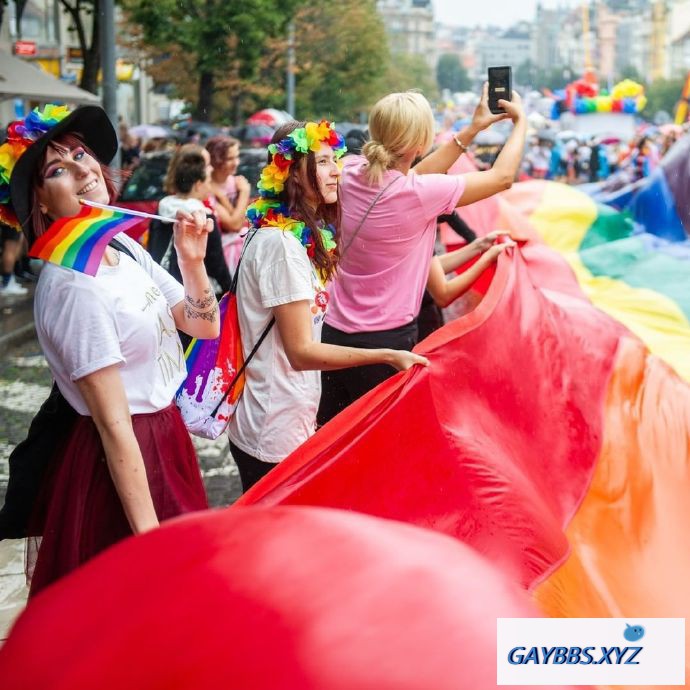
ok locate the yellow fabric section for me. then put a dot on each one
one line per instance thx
(563, 217)
(653, 317)
(630, 550)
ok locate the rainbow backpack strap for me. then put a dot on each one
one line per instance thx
(209, 395)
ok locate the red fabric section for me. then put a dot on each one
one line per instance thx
(81, 511)
(494, 443)
(290, 598)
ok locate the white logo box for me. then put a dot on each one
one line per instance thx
(613, 651)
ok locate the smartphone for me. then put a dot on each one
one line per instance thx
(500, 86)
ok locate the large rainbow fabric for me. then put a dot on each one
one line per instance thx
(80, 242)
(549, 439)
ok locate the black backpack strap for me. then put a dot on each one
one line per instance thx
(231, 385)
(116, 244)
(262, 337)
(250, 236)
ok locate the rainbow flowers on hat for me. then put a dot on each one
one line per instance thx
(20, 135)
(301, 140)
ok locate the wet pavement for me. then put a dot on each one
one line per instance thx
(25, 382)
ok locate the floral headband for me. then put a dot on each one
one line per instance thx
(21, 134)
(301, 140)
(273, 213)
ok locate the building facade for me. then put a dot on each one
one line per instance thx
(50, 41)
(410, 27)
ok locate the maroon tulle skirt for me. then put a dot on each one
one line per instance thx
(79, 513)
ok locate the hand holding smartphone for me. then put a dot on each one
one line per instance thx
(500, 87)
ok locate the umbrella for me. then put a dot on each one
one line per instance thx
(149, 132)
(489, 137)
(269, 116)
(546, 135)
(569, 134)
(671, 128)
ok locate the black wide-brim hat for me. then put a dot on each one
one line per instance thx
(91, 124)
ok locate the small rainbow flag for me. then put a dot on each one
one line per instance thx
(80, 242)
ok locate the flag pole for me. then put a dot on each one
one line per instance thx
(126, 211)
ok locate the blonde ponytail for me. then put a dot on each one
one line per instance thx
(380, 160)
(399, 123)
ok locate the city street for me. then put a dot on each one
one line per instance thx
(24, 384)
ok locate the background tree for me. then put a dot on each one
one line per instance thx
(631, 72)
(83, 16)
(341, 55)
(84, 21)
(451, 75)
(406, 72)
(217, 38)
(663, 94)
(526, 74)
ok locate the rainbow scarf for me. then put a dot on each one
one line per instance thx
(80, 242)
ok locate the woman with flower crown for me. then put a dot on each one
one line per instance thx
(123, 460)
(289, 258)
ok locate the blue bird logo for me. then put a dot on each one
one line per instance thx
(633, 632)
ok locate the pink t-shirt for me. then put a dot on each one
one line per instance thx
(382, 274)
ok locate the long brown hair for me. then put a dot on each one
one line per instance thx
(39, 221)
(294, 196)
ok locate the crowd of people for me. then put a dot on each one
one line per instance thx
(335, 264)
(577, 159)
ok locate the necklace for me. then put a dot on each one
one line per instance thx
(271, 213)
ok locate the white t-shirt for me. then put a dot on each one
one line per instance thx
(277, 411)
(168, 206)
(121, 315)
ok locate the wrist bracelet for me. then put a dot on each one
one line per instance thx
(461, 146)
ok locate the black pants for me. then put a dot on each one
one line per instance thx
(341, 387)
(430, 317)
(251, 469)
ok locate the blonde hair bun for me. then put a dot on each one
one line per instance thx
(398, 124)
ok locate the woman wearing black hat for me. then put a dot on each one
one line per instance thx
(111, 343)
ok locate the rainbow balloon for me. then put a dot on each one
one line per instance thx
(80, 242)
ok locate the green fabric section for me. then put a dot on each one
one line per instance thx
(631, 261)
(610, 225)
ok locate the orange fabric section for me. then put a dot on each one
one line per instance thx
(629, 538)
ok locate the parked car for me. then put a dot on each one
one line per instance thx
(253, 135)
(186, 130)
(144, 189)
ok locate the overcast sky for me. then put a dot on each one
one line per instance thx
(497, 12)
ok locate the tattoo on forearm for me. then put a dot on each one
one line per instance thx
(192, 313)
(202, 303)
